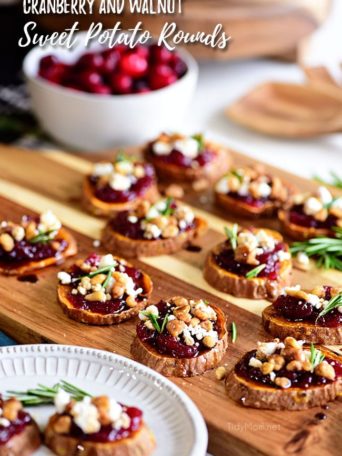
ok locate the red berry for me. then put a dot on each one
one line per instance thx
(161, 76)
(143, 51)
(133, 65)
(110, 61)
(120, 48)
(101, 89)
(179, 66)
(88, 79)
(90, 61)
(121, 83)
(160, 54)
(47, 62)
(141, 87)
(55, 73)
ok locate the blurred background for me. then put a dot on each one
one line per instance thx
(271, 41)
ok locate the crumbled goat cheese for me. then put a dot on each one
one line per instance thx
(284, 255)
(152, 231)
(268, 348)
(49, 222)
(244, 189)
(151, 310)
(337, 203)
(272, 376)
(124, 167)
(324, 195)
(64, 277)
(312, 206)
(102, 169)
(254, 362)
(86, 416)
(302, 258)
(222, 186)
(315, 301)
(96, 243)
(107, 260)
(120, 182)
(4, 422)
(61, 400)
(115, 410)
(132, 219)
(264, 190)
(265, 241)
(162, 148)
(187, 146)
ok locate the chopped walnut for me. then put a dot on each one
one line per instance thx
(62, 424)
(294, 366)
(220, 373)
(325, 370)
(7, 242)
(174, 191)
(209, 341)
(96, 296)
(175, 327)
(10, 409)
(283, 382)
(267, 367)
(278, 361)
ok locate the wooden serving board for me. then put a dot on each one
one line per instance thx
(31, 181)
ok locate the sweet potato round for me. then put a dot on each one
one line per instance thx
(133, 248)
(102, 208)
(183, 367)
(23, 444)
(93, 318)
(140, 443)
(256, 395)
(280, 327)
(71, 250)
(300, 233)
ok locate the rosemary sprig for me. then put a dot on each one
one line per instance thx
(327, 251)
(42, 237)
(316, 356)
(44, 395)
(232, 234)
(168, 208)
(334, 302)
(255, 272)
(234, 332)
(121, 157)
(199, 137)
(165, 321)
(105, 270)
(336, 181)
(109, 275)
(236, 173)
(154, 320)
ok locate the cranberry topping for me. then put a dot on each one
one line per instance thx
(176, 158)
(225, 259)
(16, 427)
(138, 189)
(248, 199)
(122, 225)
(164, 343)
(297, 216)
(25, 252)
(299, 379)
(296, 309)
(119, 70)
(108, 433)
(111, 306)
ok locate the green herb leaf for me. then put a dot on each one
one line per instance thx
(232, 234)
(109, 276)
(236, 173)
(165, 322)
(334, 302)
(336, 181)
(121, 157)
(255, 272)
(326, 251)
(43, 395)
(234, 332)
(154, 320)
(43, 237)
(168, 209)
(200, 140)
(316, 356)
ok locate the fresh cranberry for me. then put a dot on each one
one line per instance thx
(90, 61)
(179, 66)
(143, 51)
(121, 48)
(89, 79)
(55, 73)
(110, 61)
(161, 76)
(101, 89)
(160, 54)
(47, 62)
(170, 345)
(141, 86)
(121, 83)
(293, 308)
(134, 65)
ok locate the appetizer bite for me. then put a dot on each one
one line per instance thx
(314, 316)
(181, 337)
(152, 229)
(286, 376)
(19, 433)
(34, 243)
(100, 426)
(103, 290)
(310, 215)
(187, 159)
(250, 192)
(118, 186)
(252, 263)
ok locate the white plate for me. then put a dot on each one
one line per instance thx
(176, 422)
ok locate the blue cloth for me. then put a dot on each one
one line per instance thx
(5, 340)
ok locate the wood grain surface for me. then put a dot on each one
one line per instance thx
(31, 181)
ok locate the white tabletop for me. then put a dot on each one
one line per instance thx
(221, 83)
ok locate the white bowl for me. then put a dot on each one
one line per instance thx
(91, 122)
